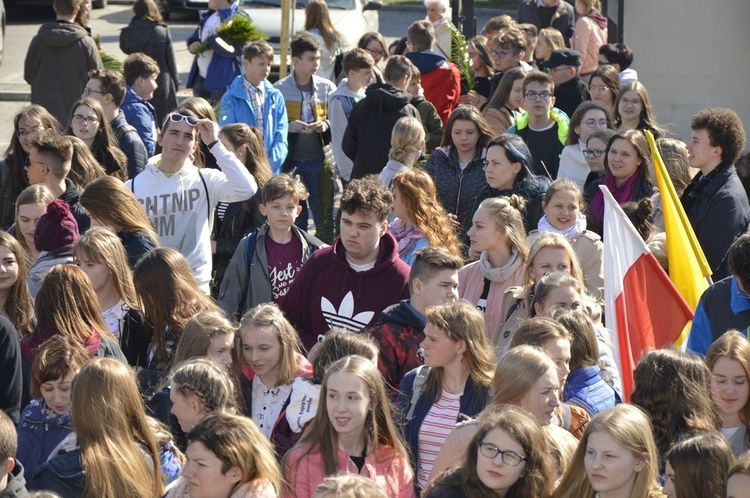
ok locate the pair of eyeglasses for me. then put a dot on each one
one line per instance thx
(594, 123)
(87, 91)
(589, 153)
(28, 162)
(534, 96)
(501, 53)
(510, 458)
(176, 118)
(597, 89)
(375, 53)
(78, 119)
(634, 102)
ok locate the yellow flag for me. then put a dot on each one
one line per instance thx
(688, 267)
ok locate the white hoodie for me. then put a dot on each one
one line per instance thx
(179, 210)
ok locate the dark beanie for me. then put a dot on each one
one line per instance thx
(56, 228)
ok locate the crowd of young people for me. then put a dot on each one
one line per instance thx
(169, 327)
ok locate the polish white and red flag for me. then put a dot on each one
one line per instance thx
(643, 309)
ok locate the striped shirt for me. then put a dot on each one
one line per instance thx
(437, 424)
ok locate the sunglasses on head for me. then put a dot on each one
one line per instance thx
(176, 118)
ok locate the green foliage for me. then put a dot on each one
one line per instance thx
(108, 61)
(236, 30)
(460, 57)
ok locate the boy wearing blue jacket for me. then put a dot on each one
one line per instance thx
(141, 72)
(251, 99)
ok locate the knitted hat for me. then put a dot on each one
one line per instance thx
(56, 228)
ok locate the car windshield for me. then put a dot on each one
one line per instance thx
(332, 4)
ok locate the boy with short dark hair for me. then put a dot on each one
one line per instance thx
(349, 284)
(49, 164)
(358, 65)
(12, 481)
(440, 77)
(265, 263)
(306, 99)
(367, 139)
(251, 99)
(543, 127)
(433, 280)
(140, 73)
(508, 50)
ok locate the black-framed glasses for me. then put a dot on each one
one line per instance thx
(510, 458)
(534, 95)
(79, 119)
(176, 118)
(502, 53)
(87, 91)
(589, 153)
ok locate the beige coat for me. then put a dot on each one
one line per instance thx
(498, 119)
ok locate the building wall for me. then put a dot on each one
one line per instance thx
(691, 54)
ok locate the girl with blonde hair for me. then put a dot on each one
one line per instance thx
(228, 457)
(497, 234)
(318, 24)
(198, 387)
(407, 144)
(420, 219)
(453, 383)
(113, 205)
(522, 471)
(208, 334)
(31, 204)
(101, 256)
(170, 297)
(271, 351)
(525, 377)
(547, 41)
(88, 122)
(84, 168)
(352, 432)
(728, 358)
(15, 300)
(616, 457)
(117, 459)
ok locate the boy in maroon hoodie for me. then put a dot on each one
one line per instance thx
(348, 285)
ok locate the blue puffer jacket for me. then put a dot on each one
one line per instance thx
(40, 430)
(586, 388)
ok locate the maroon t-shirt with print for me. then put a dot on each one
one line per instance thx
(284, 263)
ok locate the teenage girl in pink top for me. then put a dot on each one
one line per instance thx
(352, 433)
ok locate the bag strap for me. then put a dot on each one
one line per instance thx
(122, 130)
(208, 200)
(249, 254)
(416, 391)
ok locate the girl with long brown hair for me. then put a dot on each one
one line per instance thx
(235, 220)
(505, 101)
(28, 120)
(88, 122)
(31, 204)
(170, 297)
(420, 219)
(352, 432)
(15, 300)
(112, 205)
(318, 24)
(84, 168)
(117, 459)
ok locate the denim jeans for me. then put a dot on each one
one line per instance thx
(319, 183)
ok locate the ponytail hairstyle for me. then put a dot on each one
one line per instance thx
(506, 212)
(208, 381)
(407, 139)
(639, 214)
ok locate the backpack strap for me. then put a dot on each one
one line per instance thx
(122, 130)
(208, 200)
(416, 390)
(513, 309)
(249, 254)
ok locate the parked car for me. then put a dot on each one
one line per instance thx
(167, 7)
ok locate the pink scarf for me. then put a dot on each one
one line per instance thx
(622, 194)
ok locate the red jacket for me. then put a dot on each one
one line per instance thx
(441, 81)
